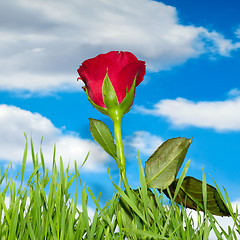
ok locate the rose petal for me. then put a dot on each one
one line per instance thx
(126, 78)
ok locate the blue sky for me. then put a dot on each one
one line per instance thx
(191, 89)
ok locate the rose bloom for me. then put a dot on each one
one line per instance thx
(122, 68)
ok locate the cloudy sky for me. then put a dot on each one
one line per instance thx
(191, 89)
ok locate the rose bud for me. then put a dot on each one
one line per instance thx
(111, 79)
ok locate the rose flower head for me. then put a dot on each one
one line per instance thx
(111, 79)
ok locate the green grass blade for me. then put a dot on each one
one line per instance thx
(5, 209)
(84, 209)
(204, 192)
(24, 161)
(129, 201)
(30, 230)
(143, 186)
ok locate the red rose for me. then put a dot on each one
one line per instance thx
(122, 68)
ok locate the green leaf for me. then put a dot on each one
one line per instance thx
(163, 165)
(191, 196)
(103, 136)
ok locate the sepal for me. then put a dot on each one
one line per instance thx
(109, 95)
(100, 109)
(127, 102)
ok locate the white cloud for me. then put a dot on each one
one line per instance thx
(15, 121)
(237, 32)
(216, 43)
(235, 92)
(42, 43)
(219, 115)
(42, 83)
(143, 141)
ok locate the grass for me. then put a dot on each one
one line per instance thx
(43, 208)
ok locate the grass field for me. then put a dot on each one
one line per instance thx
(42, 207)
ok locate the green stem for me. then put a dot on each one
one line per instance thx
(120, 150)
